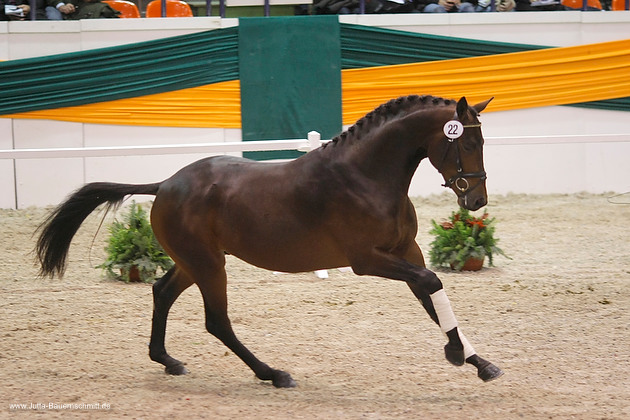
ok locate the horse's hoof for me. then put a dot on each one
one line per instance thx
(178, 369)
(455, 356)
(489, 372)
(282, 379)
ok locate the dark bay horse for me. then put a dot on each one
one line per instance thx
(343, 204)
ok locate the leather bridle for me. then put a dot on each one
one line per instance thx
(460, 180)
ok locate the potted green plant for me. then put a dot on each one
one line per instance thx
(463, 241)
(133, 252)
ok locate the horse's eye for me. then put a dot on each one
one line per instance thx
(469, 145)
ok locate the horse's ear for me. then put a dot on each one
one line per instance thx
(462, 107)
(482, 105)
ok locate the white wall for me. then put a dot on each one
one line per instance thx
(42, 182)
(7, 170)
(39, 38)
(558, 29)
(571, 149)
(582, 159)
(24, 39)
(549, 150)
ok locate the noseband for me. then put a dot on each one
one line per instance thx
(459, 180)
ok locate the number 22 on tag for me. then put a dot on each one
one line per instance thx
(453, 129)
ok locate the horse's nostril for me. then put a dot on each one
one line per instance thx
(481, 201)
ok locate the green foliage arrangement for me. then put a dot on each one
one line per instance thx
(462, 237)
(133, 252)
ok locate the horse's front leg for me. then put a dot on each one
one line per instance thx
(485, 370)
(428, 288)
(458, 349)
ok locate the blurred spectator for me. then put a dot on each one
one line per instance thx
(500, 6)
(14, 9)
(80, 9)
(344, 7)
(446, 6)
(319, 7)
(42, 9)
(538, 5)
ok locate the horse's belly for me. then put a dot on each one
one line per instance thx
(285, 251)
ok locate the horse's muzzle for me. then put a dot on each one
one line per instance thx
(472, 203)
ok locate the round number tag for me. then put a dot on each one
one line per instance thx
(453, 129)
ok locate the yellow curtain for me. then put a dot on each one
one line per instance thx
(216, 106)
(556, 76)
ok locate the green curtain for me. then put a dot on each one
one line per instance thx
(290, 72)
(618, 104)
(363, 46)
(119, 72)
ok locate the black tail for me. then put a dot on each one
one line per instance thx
(59, 228)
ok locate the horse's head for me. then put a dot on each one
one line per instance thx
(458, 156)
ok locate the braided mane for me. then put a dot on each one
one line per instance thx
(393, 109)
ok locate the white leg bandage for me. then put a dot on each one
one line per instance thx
(442, 306)
(446, 319)
(468, 349)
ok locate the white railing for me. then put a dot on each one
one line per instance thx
(313, 141)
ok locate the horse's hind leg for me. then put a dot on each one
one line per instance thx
(213, 286)
(165, 291)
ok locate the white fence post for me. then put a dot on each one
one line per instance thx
(314, 140)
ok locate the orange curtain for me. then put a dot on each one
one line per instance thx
(556, 76)
(216, 106)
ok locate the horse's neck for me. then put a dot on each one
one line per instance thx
(391, 153)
